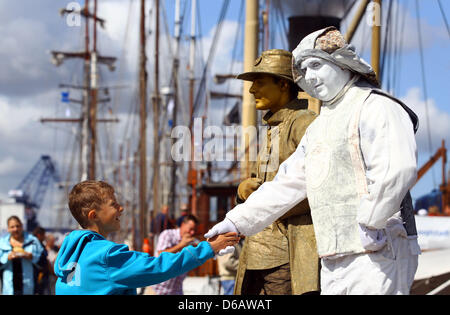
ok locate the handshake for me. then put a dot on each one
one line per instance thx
(245, 189)
(222, 237)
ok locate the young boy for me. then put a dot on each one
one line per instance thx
(88, 263)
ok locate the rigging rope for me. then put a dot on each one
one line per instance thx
(281, 23)
(424, 82)
(396, 48)
(398, 62)
(444, 17)
(386, 38)
(211, 53)
(233, 55)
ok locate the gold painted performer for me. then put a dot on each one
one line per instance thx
(281, 259)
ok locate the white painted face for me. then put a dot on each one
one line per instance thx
(322, 79)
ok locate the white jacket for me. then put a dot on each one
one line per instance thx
(389, 151)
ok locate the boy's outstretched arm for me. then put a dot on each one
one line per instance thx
(136, 269)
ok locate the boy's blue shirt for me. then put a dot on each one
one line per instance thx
(87, 263)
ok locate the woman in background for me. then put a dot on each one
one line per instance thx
(19, 252)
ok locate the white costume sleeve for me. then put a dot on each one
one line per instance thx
(389, 150)
(274, 198)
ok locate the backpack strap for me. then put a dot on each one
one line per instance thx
(412, 115)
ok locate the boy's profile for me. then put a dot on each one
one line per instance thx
(88, 263)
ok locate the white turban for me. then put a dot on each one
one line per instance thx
(329, 44)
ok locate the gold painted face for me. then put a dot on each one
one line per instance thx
(267, 93)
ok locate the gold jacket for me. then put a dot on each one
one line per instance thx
(291, 238)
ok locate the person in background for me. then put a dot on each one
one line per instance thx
(52, 250)
(19, 251)
(162, 221)
(42, 268)
(158, 224)
(184, 212)
(173, 241)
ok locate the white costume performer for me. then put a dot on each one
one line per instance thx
(355, 165)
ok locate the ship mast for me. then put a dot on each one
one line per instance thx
(376, 38)
(248, 102)
(192, 177)
(156, 101)
(84, 152)
(176, 65)
(143, 129)
(88, 120)
(93, 97)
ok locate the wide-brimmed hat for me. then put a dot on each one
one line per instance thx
(275, 62)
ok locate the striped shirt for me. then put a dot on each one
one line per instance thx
(174, 286)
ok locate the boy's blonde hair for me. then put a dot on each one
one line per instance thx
(86, 196)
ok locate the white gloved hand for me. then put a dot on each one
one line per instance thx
(372, 240)
(395, 227)
(220, 228)
(226, 250)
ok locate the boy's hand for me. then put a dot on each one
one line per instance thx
(222, 241)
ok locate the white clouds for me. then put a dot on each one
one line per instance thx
(222, 64)
(224, 46)
(11, 120)
(25, 38)
(23, 138)
(121, 33)
(16, 116)
(20, 40)
(438, 119)
(8, 166)
(116, 14)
